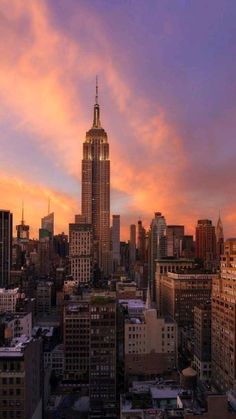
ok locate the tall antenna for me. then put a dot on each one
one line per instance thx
(49, 205)
(96, 97)
(22, 213)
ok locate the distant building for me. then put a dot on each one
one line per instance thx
(206, 243)
(150, 344)
(202, 341)
(157, 244)
(8, 299)
(132, 245)
(76, 341)
(115, 241)
(81, 252)
(181, 292)
(188, 247)
(219, 240)
(141, 243)
(165, 265)
(61, 245)
(21, 379)
(44, 297)
(47, 223)
(22, 230)
(5, 247)
(174, 239)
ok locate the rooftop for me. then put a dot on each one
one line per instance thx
(16, 348)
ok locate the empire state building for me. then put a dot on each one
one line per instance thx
(96, 188)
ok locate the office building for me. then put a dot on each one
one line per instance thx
(21, 379)
(102, 373)
(206, 243)
(115, 241)
(219, 240)
(165, 265)
(44, 297)
(132, 245)
(81, 252)
(181, 292)
(157, 244)
(202, 341)
(47, 223)
(8, 299)
(76, 341)
(224, 321)
(15, 325)
(141, 243)
(174, 240)
(150, 344)
(5, 247)
(96, 189)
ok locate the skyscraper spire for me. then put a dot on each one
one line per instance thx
(96, 112)
(22, 214)
(96, 97)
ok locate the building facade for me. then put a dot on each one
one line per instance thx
(202, 341)
(224, 321)
(206, 243)
(21, 379)
(174, 239)
(102, 374)
(163, 266)
(157, 243)
(81, 252)
(115, 241)
(150, 344)
(180, 293)
(8, 299)
(76, 341)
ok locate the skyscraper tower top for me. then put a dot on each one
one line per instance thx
(96, 114)
(219, 230)
(97, 135)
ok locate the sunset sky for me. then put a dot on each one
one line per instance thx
(167, 91)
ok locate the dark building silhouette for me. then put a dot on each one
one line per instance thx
(5, 247)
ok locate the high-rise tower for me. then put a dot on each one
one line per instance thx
(96, 188)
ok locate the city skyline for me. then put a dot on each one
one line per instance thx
(168, 111)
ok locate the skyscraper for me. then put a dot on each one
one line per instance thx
(5, 247)
(80, 252)
(96, 189)
(219, 239)
(206, 243)
(157, 242)
(132, 244)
